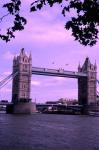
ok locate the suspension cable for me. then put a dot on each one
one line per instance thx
(7, 79)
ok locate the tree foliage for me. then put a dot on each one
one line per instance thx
(84, 25)
(13, 9)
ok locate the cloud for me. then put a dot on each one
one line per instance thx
(54, 81)
(54, 94)
(44, 26)
(66, 93)
(5, 90)
(44, 33)
(62, 79)
(8, 55)
(35, 83)
(6, 73)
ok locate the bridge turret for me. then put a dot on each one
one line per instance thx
(30, 58)
(95, 66)
(86, 66)
(22, 52)
(79, 68)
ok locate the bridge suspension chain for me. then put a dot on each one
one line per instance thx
(7, 79)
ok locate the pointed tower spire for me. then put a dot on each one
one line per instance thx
(79, 67)
(87, 61)
(14, 58)
(22, 52)
(86, 65)
(95, 65)
(30, 58)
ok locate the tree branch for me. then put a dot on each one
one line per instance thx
(4, 17)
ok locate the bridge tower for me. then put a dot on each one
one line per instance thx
(87, 85)
(22, 82)
(21, 85)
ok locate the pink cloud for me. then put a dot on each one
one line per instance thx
(8, 55)
(35, 83)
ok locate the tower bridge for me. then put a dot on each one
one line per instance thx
(23, 70)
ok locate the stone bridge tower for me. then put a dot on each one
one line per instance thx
(87, 85)
(22, 81)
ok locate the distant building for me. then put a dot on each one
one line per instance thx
(52, 102)
(64, 101)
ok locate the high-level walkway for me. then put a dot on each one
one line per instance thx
(57, 72)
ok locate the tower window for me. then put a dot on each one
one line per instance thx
(25, 66)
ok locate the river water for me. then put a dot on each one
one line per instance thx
(48, 132)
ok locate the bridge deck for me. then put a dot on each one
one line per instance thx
(57, 72)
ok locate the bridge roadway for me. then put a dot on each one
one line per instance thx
(57, 72)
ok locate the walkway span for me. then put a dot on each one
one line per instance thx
(57, 72)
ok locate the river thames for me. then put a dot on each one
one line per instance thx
(49, 132)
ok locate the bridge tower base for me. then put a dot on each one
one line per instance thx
(24, 108)
(9, 109)
(21, 108)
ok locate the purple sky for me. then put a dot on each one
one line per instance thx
(48, 41)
